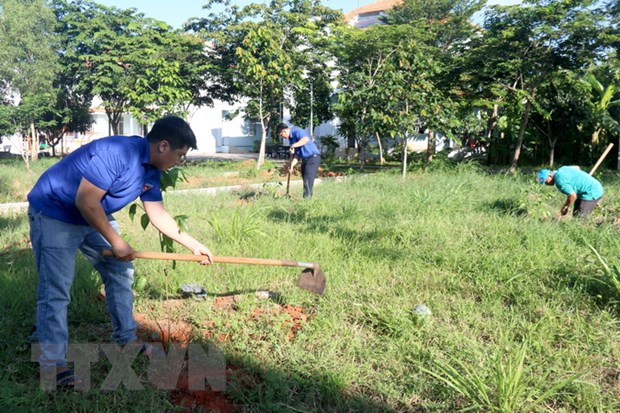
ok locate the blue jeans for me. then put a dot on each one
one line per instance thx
(55, 244)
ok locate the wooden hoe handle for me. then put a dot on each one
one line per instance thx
(216, 259)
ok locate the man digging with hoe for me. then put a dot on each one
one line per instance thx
(580, 189)
(70, 209)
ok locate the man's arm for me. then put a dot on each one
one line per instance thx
(569, 200)
(88, 202)
(299, 144)
(294, 162)
(162, 220)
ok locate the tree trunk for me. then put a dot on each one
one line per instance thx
(35, 142)
(430, 147)
(114, 120)
(552, 151)
(263, 137)
(263, 145)
(361, 157)
(524, 120)
(491, 125)
(404, 174)
(25, 150)
(381, 158)
(552, 142)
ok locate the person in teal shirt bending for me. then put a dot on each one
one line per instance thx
(580, 188)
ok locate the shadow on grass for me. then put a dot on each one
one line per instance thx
(595, 285)
(508, 206)
(273, 296)
(365, 239)
(251, 384)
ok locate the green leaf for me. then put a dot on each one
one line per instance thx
(132, 211)
(144, 221)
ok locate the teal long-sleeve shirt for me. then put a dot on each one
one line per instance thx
(569, 179)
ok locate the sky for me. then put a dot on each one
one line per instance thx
(177, 12)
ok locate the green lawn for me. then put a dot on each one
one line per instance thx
(524, 315)
(16, 181)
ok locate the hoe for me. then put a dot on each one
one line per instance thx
(312, 278)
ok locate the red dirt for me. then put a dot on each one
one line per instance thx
(200, 400)
(165, 330)
(295, 316)
(227, 302)
(168, 331)
(330, 174)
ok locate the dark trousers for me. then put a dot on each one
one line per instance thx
(584, 208)
(309, 170)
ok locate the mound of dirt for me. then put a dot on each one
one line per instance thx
(294, 318)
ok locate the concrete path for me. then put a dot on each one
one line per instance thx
(201, 156)
(19, 207)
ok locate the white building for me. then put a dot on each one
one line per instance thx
(369, 14)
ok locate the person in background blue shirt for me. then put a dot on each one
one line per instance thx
(305, 149)
(580, 188)
(70, 208)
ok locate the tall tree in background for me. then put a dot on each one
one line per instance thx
(134, 64)
(444, 30)
(558, 116)
(386, 84)
(28, 62)
(71, 110)
(260, 51)
(170, 80)
(523, 45)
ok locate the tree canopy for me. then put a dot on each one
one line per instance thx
(538, 80)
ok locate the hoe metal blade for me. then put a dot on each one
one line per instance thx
(313, 280)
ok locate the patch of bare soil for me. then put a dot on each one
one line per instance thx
(200, 400)
(178, 331)
(227, 302)
(294, 317)
(164, 330)
(291, 318)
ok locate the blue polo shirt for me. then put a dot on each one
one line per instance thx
(306, 151)
(569, 180)
(120, 165)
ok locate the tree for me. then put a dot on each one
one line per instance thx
(313, 96)
(70, 112)
(600, 103)
(259, 53)
(523, 45)
(262, 59)
(28, 62)
(386, 84)
(134, 64)
(443, 29)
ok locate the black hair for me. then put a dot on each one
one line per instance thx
(280, 128)
(174, 130)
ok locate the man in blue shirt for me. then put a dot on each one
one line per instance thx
(70, 209)
(305, 149)
(579, 187)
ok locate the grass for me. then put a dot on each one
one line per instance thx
(517, 324)
(16, 181)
